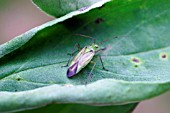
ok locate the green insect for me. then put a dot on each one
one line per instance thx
(83, 58)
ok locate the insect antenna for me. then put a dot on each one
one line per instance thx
(94, 39)
(109, 39)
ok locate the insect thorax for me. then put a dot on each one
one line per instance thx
(94, 47)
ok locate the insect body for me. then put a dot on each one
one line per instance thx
(82, 59)
(84, 56)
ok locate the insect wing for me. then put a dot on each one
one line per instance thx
(78, 56)
(85, 59)
(72, 70)
(79, 62)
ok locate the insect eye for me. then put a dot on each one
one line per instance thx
(96, 46)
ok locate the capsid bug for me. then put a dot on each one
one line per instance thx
(83, 58)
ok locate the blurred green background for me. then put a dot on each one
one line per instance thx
(18, 16)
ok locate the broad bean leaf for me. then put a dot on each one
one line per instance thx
(31, 64)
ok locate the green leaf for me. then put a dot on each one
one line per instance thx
(138, 62)
(75, 108)
(58, 8)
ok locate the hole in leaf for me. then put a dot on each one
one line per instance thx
(163, 56)
(135, 66)
(18, 79)
(99, 20)
(135, 60)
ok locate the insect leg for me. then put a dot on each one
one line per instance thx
(71, 54)
(90, 74)
(78, 47)
(101, 58)
(102, 64)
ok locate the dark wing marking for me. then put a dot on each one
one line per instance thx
(72, 70)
